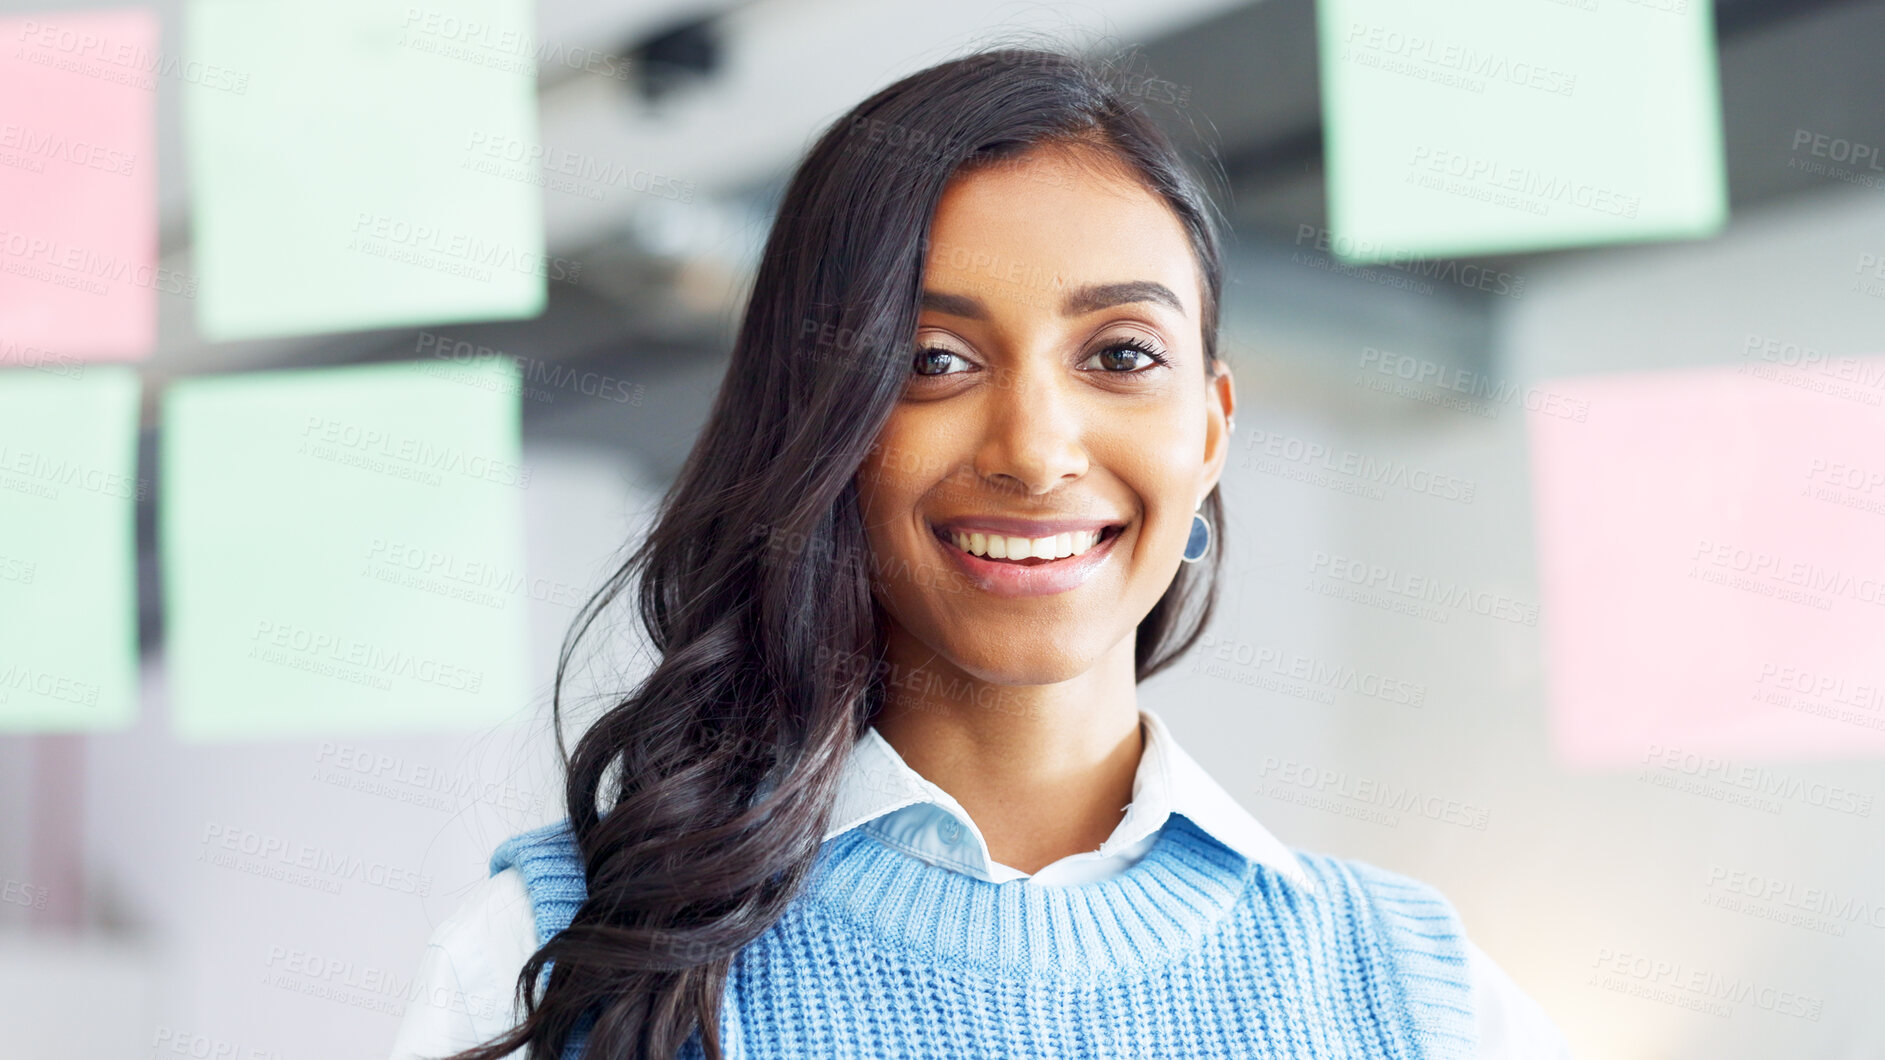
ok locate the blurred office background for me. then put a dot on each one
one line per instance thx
(1605, 891)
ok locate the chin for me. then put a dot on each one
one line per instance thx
(1022, 661)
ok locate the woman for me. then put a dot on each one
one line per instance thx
(889, 791)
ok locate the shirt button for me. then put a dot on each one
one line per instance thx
(951, 832)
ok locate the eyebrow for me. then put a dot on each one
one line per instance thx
(1088, 299)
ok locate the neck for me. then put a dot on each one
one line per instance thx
(1044, 770)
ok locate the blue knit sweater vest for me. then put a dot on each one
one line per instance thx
(1192, 953)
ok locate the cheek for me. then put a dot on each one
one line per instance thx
(884, 479)
(870, 489)
(891, 484)
(886, 533)
(917, 451)
(1160, 457)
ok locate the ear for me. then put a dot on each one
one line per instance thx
(1220, 404)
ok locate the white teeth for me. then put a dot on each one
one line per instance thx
(1000, 546)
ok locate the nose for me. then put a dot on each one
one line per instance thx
(1031, 435)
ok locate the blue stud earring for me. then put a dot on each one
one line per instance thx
(1198, 545)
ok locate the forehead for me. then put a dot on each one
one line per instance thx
(1055, 218)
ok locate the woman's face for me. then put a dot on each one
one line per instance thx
(1057, 396)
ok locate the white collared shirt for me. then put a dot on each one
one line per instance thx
(471, 963)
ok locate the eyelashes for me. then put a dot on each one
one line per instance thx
(1158, 359)
(1137, 345)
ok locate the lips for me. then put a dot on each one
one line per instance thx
(1033, 546)
(1080, 547)
(1014, 527)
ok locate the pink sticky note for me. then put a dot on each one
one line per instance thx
(78, 186)
(1711, 551)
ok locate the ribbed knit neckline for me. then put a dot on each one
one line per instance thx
(1192, 944)
(1156, 911)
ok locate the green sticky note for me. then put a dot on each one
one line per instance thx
(1459, 127)
(68, 551)
(336, 189)
(343, 551)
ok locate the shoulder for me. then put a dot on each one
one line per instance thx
(1416, 924)
(490, 934)
(548, 867)
(1381, 920)
(465, 989)
(496, 907)
(1409, 939)
(1512, 1026)
(1443, 968)
(545, 846)
(1403, 903)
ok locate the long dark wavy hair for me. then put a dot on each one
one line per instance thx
(724, 761)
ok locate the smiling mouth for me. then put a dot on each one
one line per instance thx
(1025, 551)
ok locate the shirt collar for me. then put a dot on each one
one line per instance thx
(876, 782)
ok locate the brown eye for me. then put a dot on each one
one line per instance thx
(1125, 355)
(934, 360)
